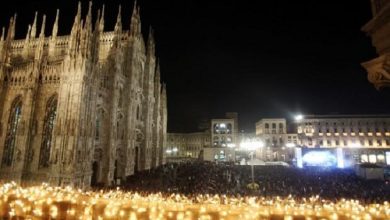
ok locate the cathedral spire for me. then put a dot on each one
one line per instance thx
(158, 76)
(26, 41)
(39, 49)
(42, 34)
(88, 19)
(164, 91)
(118, 25)
(55, 25)
(28, 33)
(11, 28)
(97, 20)
(139, 20)
(77, 19)
(2, 33)
(101, 22)
(34, 26)
(74, 39)
(134, 24)
(14, 26)
(135, 7)
(151, 44)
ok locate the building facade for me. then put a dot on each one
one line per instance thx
(224, 139)
(378, 28)
(217, 142)
(277, 142)
(80, 109)
(364, 138)
(186, 146)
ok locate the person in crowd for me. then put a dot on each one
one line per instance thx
(194, 178)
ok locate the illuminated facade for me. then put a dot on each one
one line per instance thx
(182, 146)
(223, 139)
(277, 142)
(365, 138)
(83, 108)
(378, 28)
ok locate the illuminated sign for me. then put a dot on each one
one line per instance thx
(319, 158)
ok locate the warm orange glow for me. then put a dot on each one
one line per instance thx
(45, 202)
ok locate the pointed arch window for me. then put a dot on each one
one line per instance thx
(48, 125)
(13, 122)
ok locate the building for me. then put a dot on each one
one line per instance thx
(224, 139)
(186, 146)
(378, 28)
(277, 142)
(363, 138)
(80, 109)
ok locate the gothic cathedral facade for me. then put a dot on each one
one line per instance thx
(80, 109)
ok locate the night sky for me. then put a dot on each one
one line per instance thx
(258, 58)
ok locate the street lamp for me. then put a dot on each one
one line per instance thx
(172, 150)
(252, 145)
(298, 117)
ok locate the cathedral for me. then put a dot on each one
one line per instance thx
(83, 109)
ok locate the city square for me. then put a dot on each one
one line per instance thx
(189, 109)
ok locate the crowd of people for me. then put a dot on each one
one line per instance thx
(211, 178)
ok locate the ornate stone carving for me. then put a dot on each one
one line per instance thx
(82, 69)
(378, 28)
(379, 71)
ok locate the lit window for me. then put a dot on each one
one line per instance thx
(13, 122)
(363, 158)
(372, 158)
(51, 111)
(380, 158)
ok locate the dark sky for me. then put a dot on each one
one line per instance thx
(258, 58)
